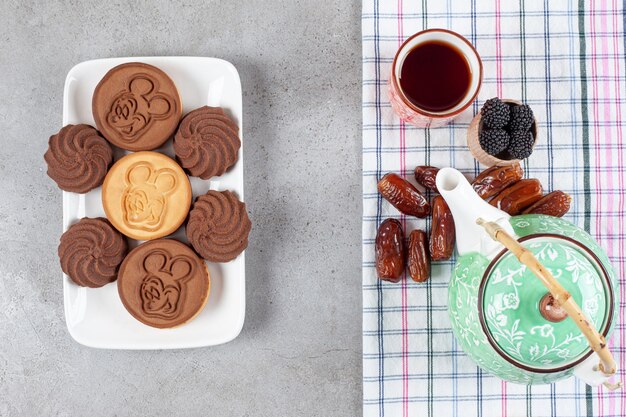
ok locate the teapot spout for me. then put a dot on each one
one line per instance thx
(466, 207)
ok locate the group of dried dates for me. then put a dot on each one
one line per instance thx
(503, 186)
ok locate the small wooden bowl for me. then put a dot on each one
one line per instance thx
(474, 144)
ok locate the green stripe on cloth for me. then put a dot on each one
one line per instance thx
(522, 41)
(584, 110)
(379, 290)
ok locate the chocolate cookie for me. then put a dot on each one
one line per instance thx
(146, 195)
(218, 226)
(163, 283)
(207, 142)
(136, 106)
(78, 158)
(91, 252)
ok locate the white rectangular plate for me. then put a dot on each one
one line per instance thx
(96, 317)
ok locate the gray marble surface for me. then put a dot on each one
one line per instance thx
(299, 353)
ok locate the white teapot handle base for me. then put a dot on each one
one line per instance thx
(588, 372)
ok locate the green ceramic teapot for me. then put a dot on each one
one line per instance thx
(503, 316)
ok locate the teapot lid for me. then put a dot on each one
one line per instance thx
(521, 319)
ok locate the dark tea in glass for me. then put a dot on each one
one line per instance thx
(435, 76)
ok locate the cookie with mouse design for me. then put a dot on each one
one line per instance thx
(136, 106)
(163, 283)
(146, 195)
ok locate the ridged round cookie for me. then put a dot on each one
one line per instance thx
(163, 283)
(91, 252)
(136, 106)
(146, 195)
(207, 142)
(78, 158)
(218, 226)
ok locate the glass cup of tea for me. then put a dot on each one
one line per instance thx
(436, 74)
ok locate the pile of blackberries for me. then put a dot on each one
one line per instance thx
(506, 129)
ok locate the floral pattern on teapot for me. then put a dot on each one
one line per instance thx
(546, 343)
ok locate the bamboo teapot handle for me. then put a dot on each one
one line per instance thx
(596, 341)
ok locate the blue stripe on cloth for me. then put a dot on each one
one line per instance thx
(380, 334)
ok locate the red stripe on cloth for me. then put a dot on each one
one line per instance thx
(498, 54)
(503, 403)
(620, 267)
(608, 135)
(405, 324)
(596, 142)
(608, 154)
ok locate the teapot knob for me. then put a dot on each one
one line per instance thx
(551, 310)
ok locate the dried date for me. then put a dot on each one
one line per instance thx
(515, 198)
(442, 231)
(390, 251)
(418, 259)
(426, 176)
(495, 179)
(556, 204)
(403, 195)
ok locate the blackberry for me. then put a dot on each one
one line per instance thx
(521, 145)
(495, 113)
(522, 118)
(494, 141)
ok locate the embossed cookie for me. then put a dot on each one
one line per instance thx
(163, 283)
(218, 226)
(207, 142)
(146, 195)
(78, 158)
(91, 252)
(136, 106)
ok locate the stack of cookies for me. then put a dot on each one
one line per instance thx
(147, 196)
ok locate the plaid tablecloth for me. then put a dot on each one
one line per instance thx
(566, 60)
